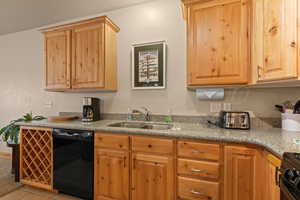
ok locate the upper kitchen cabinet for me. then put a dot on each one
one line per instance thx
(275, 43)
(81, 55)
(218, 42)
(58, 59)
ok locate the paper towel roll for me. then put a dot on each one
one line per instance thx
(210, 93)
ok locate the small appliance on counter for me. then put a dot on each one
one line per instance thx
(91, 109)
(234, 120)
(290, 177)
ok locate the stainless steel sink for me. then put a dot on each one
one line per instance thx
(143, 125)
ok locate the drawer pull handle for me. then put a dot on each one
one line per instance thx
(196, 151)
(196, 192)
(197, 170)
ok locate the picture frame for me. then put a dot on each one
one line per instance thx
(149, 65)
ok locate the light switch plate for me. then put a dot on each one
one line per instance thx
(227, 106)
(49, 104)
(215, 107)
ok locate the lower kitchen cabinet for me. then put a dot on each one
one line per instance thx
(272, 165)
(149, 168)
(195, 189)
(152, 177)
(199, 170)
(111, 175)
(240, 163)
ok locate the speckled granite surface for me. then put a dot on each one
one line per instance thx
(274, 140)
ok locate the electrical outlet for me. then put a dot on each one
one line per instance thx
(48, 104)
(227, 106)
(215, 107)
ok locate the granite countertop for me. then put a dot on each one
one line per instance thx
(274, 140)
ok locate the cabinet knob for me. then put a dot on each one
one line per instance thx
(293, 44)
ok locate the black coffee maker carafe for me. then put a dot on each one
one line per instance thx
(91, 109)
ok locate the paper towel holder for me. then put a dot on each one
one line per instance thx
(210, 93)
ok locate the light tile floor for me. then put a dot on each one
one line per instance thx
(30, 193)
(24, 192)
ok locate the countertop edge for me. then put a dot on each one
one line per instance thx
(156, 133)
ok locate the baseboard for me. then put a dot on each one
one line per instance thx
(5, 155)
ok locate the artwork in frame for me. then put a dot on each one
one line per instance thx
(149, 65)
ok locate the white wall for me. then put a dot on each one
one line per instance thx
(21, 72)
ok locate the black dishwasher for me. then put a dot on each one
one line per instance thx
(73, 162)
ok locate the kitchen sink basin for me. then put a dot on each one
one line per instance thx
(143, 125)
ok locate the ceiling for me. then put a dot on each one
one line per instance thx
(18, 15)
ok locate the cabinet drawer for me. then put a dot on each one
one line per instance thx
(112, 141)
(199, 150)
(198, 168)
(152, 145)
(194, 189)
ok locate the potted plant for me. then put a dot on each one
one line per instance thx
(10, 135)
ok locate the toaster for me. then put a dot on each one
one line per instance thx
(234, 120)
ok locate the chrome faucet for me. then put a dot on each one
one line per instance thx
(146, 113)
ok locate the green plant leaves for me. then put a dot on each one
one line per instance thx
(11, 131)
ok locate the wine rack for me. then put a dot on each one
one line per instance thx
(36, 157)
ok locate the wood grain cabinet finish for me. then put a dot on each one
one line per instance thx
(152, 145)
(241, 173)
(201, 169)
(82, 55)
(113, 141)
(218, 42)
(88, 56)
(272, 166)
(194, 189)
(36, 157)
(111, 175)
(275, 42)
(152, 177)
(126, 169)
(197, 150)
(58, 59)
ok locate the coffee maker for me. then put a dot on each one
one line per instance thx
(91, 109)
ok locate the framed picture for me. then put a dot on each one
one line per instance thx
(149, 65)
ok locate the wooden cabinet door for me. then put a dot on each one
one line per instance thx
(239, 173)
(218, 43)
(57, 60)
(88, 56)
(272, 177)
(111, 175)
(275, 39)
(152, 177)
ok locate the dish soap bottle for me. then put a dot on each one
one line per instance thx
(129, 114)
(169, 117)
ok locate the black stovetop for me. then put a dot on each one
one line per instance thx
(290, 176)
